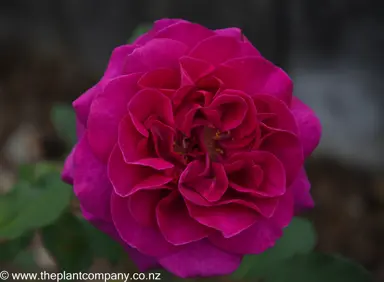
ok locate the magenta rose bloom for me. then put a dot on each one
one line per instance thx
(191, 150)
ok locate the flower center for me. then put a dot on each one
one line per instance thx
(204, 141)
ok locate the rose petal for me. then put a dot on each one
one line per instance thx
(261, 236)
(229, 219)
(107, 110)
(91, 184)
(287, 148)
(150, 103)
(68, 170)
(130, 178)
(175, 223)
(146, 240)
(249, 122)
(185, 32)
(309, 125)
(200, 259)
(232, 110)
(116, 62)
(256, 75)
(82, 105)
(209, 180)
(243, 177)
(284, 210)
(193, 69)
(143, 262)
(218, 49)
(161, 79)
(155, 54)
(281, 116)
(301, 192)
(158, 26)
(142, 206)
(133, 145)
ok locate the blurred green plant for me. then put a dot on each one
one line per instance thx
(139, 30)
(40, 203)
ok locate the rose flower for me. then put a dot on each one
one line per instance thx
(191, 150)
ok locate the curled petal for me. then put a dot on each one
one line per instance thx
(230, 219)
(280, 116)
(145, 174)
(193, 69)
(249, 122)
(209, 181)
(147, 240)
(176, 224)
(258, 173)
(200, 259)
(150, 104)
(309, 126)
(133, 145)
(232, 110)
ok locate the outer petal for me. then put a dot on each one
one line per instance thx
(107, 110)
(309, 125)
(82, 105)
(255, 75)
(158, 26)
(157, 53)
(116, 62)
(143, 262)
(146, 240)
(67, 173)
(200, 259)
(185, 32)
(287, 148)
(91, 184)
(300, 189)
(218, 49)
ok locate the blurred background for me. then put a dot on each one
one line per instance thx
(52, 51)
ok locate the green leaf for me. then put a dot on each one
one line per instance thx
(102, 245)
(64, 120)
(29, 207)
(316, 267)
(10, 249)
(25, 260)
(67, 241)
(139, 30)
(299, 237)
(26, 172)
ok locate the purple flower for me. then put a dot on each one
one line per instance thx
(191, 150)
